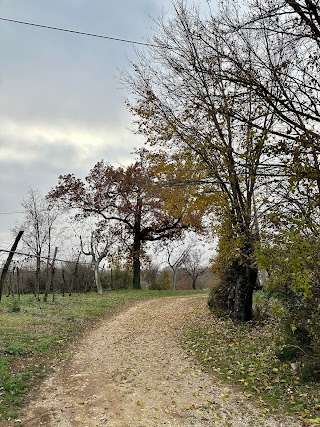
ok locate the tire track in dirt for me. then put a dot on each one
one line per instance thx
(131, 371)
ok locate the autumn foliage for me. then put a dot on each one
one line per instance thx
(144, 207)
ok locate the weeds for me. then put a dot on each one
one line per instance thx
(245, 355)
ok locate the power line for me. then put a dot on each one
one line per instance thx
(11, 213)
(66, 30)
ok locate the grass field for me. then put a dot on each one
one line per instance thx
(33, 334)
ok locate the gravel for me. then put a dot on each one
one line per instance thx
(131, 371)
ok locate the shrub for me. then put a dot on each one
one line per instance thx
(162, 281)
(310, 370)
(294, 278)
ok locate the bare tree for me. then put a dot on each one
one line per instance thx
(38, 225)
(192, 265)
(101, 243)
(176, 254)
(273, 50)
(151, 274)
(50, 277)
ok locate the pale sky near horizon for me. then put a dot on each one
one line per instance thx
(61, 104)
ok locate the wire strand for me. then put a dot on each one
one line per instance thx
(43, 257)
(11, 213)
(82, 33)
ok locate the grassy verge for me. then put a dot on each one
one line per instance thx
(33, 334)
(244, 355)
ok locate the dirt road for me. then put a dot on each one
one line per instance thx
(130, 371)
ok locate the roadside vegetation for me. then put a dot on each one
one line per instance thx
(34, 336)
(255, 358)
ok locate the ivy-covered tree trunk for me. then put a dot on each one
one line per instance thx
(236, 282)
(235, 291)
(244, 280)
(246, 277)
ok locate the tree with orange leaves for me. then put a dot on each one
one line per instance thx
(144, 206)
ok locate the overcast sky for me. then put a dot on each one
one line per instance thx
(61, 104)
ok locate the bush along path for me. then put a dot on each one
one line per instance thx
(132, 371)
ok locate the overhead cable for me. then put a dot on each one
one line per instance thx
(82, 33)
(11, 213)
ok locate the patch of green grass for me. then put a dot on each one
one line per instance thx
(12, 387)
(32, 333)
(245, 355)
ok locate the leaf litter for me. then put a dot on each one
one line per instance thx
(132, 371)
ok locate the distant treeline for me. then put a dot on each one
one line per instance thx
(76, 277)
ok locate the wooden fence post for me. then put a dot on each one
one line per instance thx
(8, 262)
(50, 277)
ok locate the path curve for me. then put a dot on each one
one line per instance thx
(130, 371)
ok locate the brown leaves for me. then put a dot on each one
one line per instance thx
(138, 198)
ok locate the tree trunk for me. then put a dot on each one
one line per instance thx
(244, 281)
(38, 276)
(50, 275)
(235, 292)
(136, 284)
(18, 282)
(174, 279)
(63, 283)
(243, 292)
(97, 277)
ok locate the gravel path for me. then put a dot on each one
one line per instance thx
(130, 371)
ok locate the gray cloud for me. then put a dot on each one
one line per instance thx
(61, 106)
(53, 75)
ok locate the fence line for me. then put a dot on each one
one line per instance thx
(43, 257)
